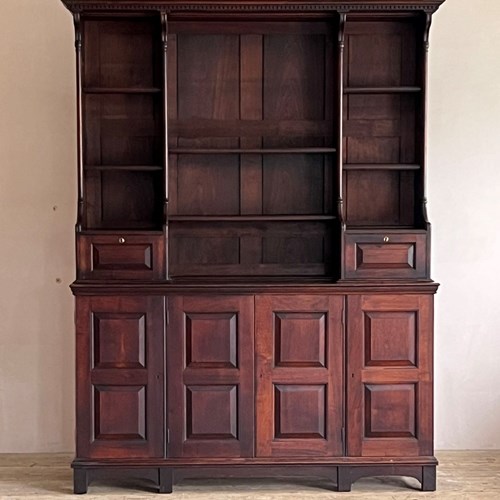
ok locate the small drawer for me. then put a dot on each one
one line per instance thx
(385, 255)
(121, 256)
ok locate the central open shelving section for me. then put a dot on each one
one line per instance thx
(251, 148)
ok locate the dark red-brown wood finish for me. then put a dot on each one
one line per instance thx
(211, 376)
(298, 349)
(120, 371)
(253, 293)
(389, 368)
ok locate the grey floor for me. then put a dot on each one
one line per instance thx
(461, 475)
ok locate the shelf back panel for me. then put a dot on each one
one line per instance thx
(271, 82)
(251, 248)
(121, 53)
(380, 197)
(123, 129)
(380, 53)
(124, 199)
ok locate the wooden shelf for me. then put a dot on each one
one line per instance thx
(122, 90)
(364, 229)
(381, 166)
(276, 151)
(249, 218)
(134, 231)
(133, 168)
(382, 90)
(112, 227)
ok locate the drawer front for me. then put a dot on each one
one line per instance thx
(385, 255)
(121, 256)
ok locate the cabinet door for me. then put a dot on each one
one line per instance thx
(389, 409)
(119, 346)
(210, 376)
(299, 345)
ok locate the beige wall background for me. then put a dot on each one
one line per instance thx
(37, 214)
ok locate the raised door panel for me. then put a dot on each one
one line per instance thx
(390, 375)
(120, 377)
(210, 367)
(299, 344)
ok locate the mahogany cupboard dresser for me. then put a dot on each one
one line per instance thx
(253, 292)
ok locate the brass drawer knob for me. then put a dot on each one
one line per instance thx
(386, 239)
(121, 240)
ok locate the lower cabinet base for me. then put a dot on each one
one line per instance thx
(347, 475)
(164, 475)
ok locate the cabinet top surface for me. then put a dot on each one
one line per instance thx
(252, 5)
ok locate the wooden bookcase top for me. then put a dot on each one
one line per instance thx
(253, 5)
